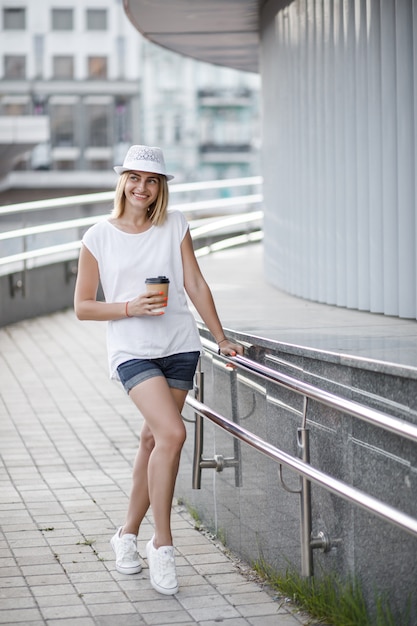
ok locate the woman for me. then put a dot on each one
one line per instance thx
(154, 354)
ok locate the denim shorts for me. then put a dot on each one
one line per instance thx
(178, 369)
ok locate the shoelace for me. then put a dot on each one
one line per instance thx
(166, 562)
(127, 548)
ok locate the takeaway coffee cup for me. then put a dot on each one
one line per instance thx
(157, 284)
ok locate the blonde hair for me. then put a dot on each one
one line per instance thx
(157, 210)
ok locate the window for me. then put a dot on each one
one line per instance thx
(98, 124)
(62, 125)
(15, 67)
(177, 129)
(14, 108)
(62, 165)
(96, 19)
(97, 68)
(160, 129)
(39, 105)
(62, 19)
(63, 67)
(121, 120)
(99, 165)
(38, 54)
(14, 19)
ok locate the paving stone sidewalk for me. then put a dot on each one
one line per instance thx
(68, 436)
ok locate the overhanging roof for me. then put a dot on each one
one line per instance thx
(224, 32)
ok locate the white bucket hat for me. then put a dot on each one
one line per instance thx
(143, 159)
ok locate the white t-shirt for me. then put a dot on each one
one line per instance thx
(125, 260)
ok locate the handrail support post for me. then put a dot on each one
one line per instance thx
(303, 443)
(198, 428)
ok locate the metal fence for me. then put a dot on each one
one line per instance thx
(301, 464)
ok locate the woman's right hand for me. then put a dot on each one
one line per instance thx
(148, 303)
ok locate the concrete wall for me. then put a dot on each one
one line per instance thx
(259, 519)
(38, 291)
(339, 151)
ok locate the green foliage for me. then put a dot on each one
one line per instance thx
(331, 600)
(327, 599)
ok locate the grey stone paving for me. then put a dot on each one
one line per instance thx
(248, 303)
(68, 436)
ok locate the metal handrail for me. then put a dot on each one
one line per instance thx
(355, 409)
(351, 494)
(214, 206)
(72, 246)
(50, 228)
(108, 196)
(372, 416)
(196, 233)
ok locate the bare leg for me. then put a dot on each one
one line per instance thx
(139, 496)
(157, 461)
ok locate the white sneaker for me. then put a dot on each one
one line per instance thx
(162, 571)
(126, 551)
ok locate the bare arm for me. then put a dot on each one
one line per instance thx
(202, 298)
(86, 305)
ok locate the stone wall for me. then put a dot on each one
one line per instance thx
(260, 519)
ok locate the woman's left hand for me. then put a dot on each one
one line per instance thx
(229, 348)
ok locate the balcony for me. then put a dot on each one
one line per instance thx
(225, 97)
(18, 134)
(226, 153)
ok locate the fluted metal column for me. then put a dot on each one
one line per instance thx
(339, 144)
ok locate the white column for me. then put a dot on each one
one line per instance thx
(339, 150)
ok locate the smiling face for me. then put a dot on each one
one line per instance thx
(141, 189)
(129, 196)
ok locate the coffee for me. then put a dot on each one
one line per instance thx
(158, 284)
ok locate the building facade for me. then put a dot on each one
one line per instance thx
(205, 116)
(78, 65)
(92, 86)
